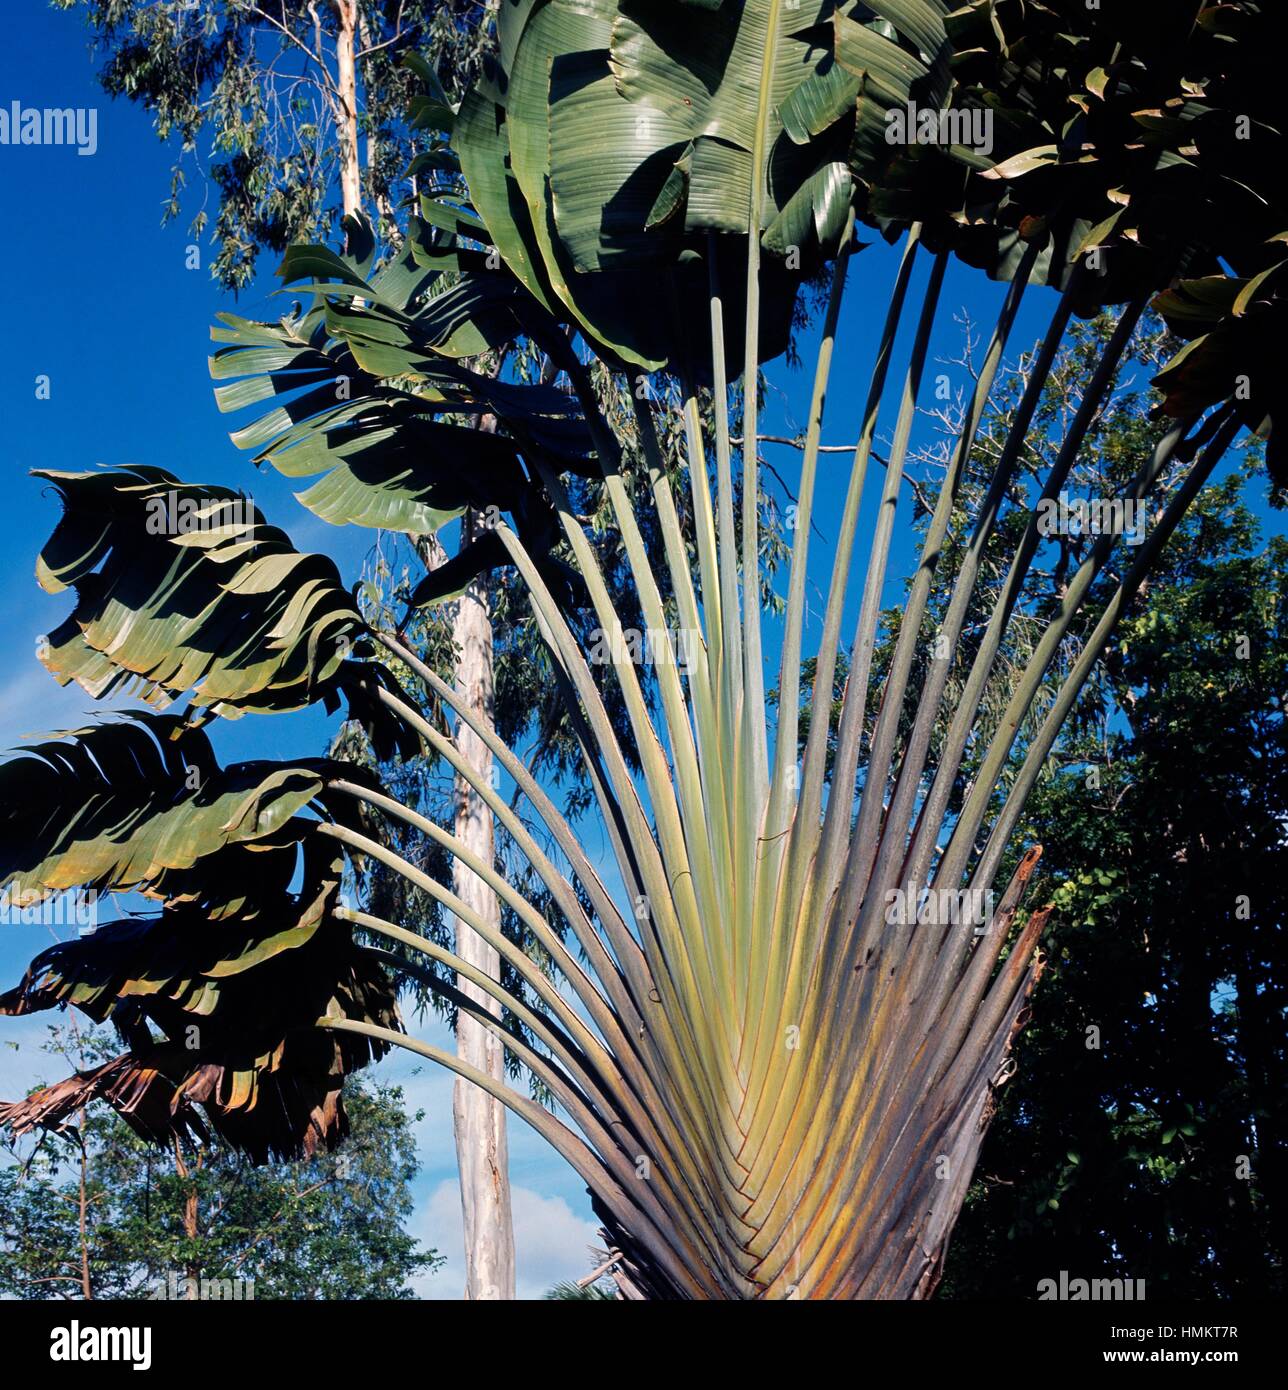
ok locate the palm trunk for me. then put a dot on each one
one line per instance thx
(479, 1120)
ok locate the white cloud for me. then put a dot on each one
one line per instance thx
(551, 1241)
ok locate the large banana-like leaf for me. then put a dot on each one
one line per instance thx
(1131, 125)
(1236, 332)
(361, 383)
(1147, 134)
(136, 804)
(1173, 158)
(180, 590)
(185, 589)
(219, 995)
(704, 118)
(235, 1009)
(364, 382)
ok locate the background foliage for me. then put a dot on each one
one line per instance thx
(332, 1227)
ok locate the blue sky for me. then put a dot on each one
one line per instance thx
(101, 304)
(99, 299)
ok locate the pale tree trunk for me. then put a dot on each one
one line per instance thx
(478, 1118)
(347, 97)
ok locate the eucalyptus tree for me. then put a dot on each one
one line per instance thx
(776, 1038)
(296, 116)
(287, 115)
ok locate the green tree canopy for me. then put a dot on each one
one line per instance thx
(1143, 1134)
(157, 1225)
